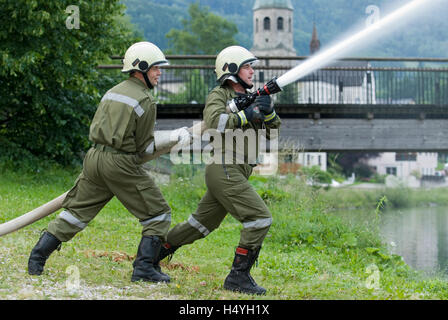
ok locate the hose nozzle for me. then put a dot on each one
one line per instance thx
(242, 102)
(269, 88)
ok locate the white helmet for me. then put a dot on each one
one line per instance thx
(141, 56)
(229, 61)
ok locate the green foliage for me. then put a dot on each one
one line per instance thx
(316, 174)
(268, 189)
(50, 84)
(333, 168)
(398, 197)
(363, 170)
(378, 178)
(197, 86)
(180, 193)
(351, 198)
(288, 95)
(203, 33)
(349, 162)
(424, 36)
(186, 170)
(156, 19)
(313, 227)
(308, 253)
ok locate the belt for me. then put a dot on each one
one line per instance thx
(104, 148)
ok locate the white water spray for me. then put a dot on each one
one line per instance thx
(336, 51)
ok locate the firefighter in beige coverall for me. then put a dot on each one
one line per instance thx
(227, 183)
(122, 130)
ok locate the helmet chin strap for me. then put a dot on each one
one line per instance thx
(244, 84)
(148, 83)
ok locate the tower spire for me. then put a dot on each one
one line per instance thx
(315, 43)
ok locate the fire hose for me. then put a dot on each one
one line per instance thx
(241, 102)
(56, 204)
(237, 104)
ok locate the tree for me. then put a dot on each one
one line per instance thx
(196, 88)
(351, 162)
(50, 85)
(289, 94)
(203, 33)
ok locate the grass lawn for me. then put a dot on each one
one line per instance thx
(308, 253)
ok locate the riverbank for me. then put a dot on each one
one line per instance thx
(367, 197)
(308, 253)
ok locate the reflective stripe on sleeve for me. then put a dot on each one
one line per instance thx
(67, 216)
(243, 118)
(258, 224)
(197, 225)
(270, 117)
(162, 217)
(126, 100)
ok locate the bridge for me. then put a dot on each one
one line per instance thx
(355, 104)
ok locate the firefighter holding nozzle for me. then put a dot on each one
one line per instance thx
(228, 189)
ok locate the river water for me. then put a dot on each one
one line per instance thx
(419, 235)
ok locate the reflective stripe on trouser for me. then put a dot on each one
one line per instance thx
(104, 176)
(234, 195)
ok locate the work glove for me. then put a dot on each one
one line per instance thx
(250, 114)
(266, 107)
(265, 104)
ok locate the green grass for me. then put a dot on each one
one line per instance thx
(308, 253)
(351, 198)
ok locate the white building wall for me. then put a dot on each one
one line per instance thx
(324, 92)
(425, 164)
(269, 161)
(309, 159)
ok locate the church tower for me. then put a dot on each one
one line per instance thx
(273, 28)
(315, 42)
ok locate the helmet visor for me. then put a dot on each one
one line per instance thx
(160, 63)
(252, 62)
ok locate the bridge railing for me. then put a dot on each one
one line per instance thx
(364, 81)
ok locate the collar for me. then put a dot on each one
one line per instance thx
(138, 82)
(234, 93)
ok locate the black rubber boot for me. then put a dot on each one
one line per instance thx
(239, 278)
(144, 264)
(45, 246)
(165, 250)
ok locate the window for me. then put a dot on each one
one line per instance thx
(391, 170)
(289, 24)
(256, 25)
(406, 156)
(319, 160)
(280, 23)
(267, 23)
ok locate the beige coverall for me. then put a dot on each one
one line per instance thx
(228, 188)
(121, 130)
